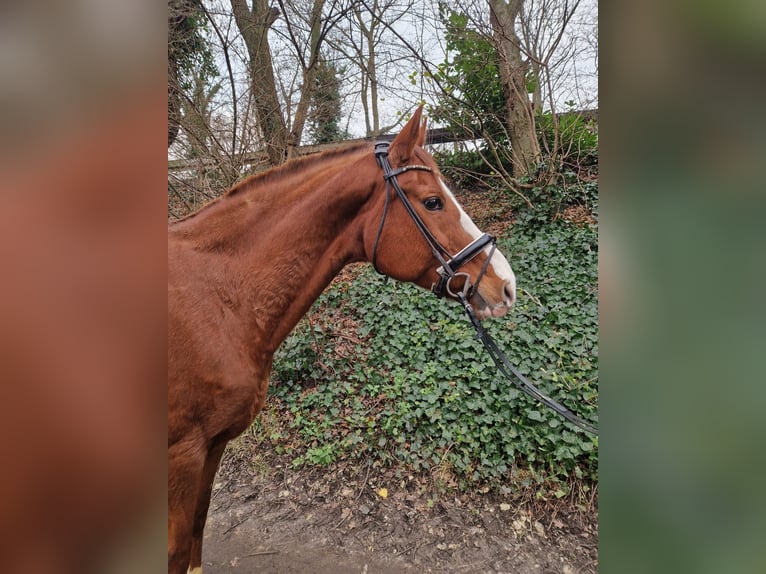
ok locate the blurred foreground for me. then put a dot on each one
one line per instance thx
(82, 261)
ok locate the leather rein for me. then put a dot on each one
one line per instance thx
(448, 270)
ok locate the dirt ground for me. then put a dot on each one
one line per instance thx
(266, 517)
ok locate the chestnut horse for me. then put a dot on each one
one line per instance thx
(244, 269)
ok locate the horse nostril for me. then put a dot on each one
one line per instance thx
(510, 292)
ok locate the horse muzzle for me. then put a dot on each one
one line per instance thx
(485, 310)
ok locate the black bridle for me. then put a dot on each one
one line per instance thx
(448, 270)
(449, 264)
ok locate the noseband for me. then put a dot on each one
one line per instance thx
(450, 264)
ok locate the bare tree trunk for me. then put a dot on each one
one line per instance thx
(309, 75)
(365, 50)
(367, 61)
(365, 104)
(254, 26)
(537, 94)
(373, 82)
(520, 118)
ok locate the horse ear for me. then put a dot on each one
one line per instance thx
(401, 148)
(422, 136)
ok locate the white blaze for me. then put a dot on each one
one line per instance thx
(499, 263)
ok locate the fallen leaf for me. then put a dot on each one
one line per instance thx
(383, 492)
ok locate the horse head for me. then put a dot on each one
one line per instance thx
(418, 232)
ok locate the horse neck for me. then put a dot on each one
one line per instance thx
(283, 239)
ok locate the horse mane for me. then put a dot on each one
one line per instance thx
(292, 166)
(277, 173)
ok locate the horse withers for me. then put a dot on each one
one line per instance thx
(245, 268)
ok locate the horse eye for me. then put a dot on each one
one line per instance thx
(433, 204)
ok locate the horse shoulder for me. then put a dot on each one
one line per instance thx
(217, 371)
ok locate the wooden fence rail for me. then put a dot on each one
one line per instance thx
(433, 136)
